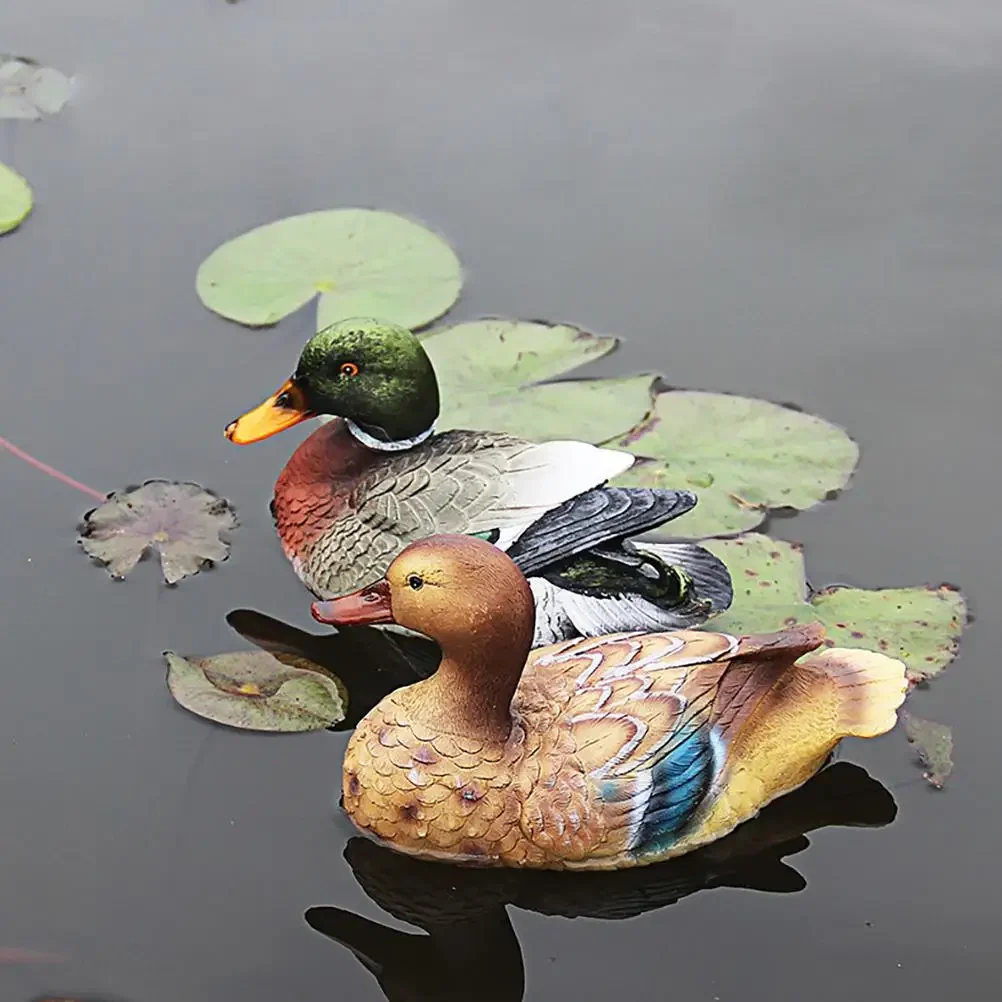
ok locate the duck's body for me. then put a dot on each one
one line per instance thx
(602, 753)
(363, 486)
(343, 511)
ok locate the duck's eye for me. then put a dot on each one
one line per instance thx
(415, 582)
(283, 399)
(349, 369)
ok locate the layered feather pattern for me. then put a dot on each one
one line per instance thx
(343, 512)
(623, 750)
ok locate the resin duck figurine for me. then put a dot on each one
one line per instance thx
(363, 486)
(601, 753)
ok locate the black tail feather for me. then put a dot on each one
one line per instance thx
(598, 516)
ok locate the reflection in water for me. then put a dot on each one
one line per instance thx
(371, 663)
(464, 912)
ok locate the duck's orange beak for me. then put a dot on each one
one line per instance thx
(283, 409)
(365, 607)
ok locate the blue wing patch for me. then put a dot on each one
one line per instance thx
(680, 781)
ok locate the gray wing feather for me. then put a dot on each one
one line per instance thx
(459, 481)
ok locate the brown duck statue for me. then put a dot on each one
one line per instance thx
(601, 753)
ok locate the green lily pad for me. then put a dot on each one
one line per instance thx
(933, 745)
(920, 625)
(28, 91)
(487, 370)
(183, 522)
(742, 457)
(16, 199)
(257, 690)
(361, 262)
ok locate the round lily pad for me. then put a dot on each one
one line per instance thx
(183, 522)
(487, 371)
(16, 199)
(257, 690)
(361, 262)
(742, 456)
(920, 625)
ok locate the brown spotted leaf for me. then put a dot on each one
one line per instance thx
(933, 745)
(257, 690)
(182, 522)
(920, 625)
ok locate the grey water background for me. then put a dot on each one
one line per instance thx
(795, 201)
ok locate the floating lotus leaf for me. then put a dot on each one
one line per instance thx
(920, 625)
(29, 91)
(183, 522)
(361, 262)
(257, 690)
(486, 371)
(740, 455)
(15, 199)
(933, 745)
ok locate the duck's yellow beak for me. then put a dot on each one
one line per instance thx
(365, 607)
(283, 409)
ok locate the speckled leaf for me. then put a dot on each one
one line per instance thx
(921, 625)
(28, 91)
(16, 199)
(257, 691)
(933, 745)
(183, 522)
(486, 370)
(362, 262)
(742, 457)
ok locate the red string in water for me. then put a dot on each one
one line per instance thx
(51, 470)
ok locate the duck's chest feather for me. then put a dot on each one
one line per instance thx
(313, 490)
(522, 802)
(344, 511)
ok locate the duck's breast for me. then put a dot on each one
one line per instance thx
(312, 495)
(433, 794)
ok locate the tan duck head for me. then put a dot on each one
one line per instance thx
(478, 608)
(591, 754)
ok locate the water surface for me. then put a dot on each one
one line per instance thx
(794, 201)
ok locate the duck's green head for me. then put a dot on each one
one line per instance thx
(374, 374)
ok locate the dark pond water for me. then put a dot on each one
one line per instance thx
(797, 201)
